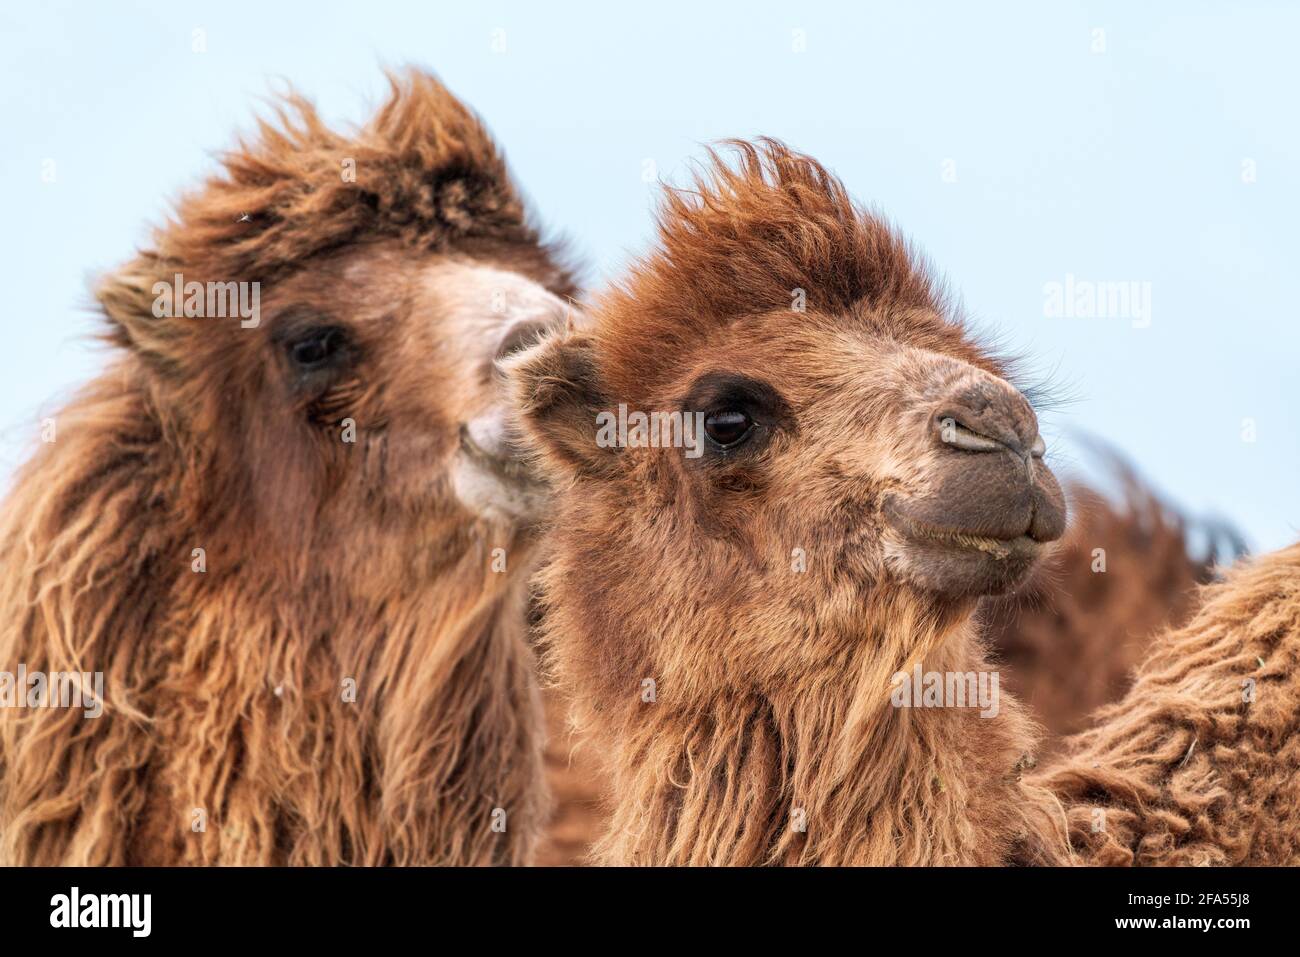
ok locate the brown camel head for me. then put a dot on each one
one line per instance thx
(319, 325)
(856, 440)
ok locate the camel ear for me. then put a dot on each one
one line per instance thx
(137, 301)
(558, 397)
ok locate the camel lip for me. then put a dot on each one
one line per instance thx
(507, 468)
(920, 532)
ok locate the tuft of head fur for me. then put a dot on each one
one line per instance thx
(424, 170)
(770, 220)
(752, 236)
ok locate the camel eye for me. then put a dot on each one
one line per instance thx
(316, 348)
(728, 427)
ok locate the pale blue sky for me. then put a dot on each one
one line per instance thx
(1124, 164)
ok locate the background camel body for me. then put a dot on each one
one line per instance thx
(729, 628)
(295, 549)
(1199, 763)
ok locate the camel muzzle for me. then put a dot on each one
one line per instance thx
(992, 504)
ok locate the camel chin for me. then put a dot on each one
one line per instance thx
(491, 478)
(982, 532)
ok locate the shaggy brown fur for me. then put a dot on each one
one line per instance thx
(1200, 762)
(1071, 638)
(733, 697)
(327, 562)
(577, 789)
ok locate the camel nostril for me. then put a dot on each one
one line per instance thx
(989, 435)
(988, 416)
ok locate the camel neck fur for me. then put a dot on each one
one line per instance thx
(825, 768)
(397, 661)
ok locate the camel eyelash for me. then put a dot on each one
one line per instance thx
(738, 414)
(716, 390)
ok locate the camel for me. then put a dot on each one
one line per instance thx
(760, 639)
(739, 628)
(287, 532)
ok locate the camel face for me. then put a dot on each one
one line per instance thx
(912, 463)
(384, 363)
(857, 444)
(392, 269)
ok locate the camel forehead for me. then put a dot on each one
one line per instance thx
(792, 350)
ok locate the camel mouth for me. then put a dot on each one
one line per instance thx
(491, 478)
(957, 561)
(997, 547)
(504, 461)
